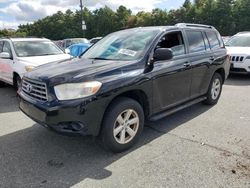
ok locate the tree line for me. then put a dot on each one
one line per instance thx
(228, 16)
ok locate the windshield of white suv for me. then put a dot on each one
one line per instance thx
(36, 48)
(239, 41)
(124, 45)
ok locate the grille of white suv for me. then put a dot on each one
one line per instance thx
(35, 89)
(237, 59)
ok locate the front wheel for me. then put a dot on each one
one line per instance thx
(17, 82)
(122, 124)
(214, 90)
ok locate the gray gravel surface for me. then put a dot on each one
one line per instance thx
(200, 146)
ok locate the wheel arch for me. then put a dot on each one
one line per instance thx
(221, 71)
(138, 95)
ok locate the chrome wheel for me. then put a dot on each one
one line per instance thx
(216, 87)
(126, 126)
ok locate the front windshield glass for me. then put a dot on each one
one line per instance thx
(239, 41)
(124, 45)
(36, 48)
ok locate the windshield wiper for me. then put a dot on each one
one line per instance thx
(100, 58)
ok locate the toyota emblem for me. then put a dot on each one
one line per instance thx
(29, 88)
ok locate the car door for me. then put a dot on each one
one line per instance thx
(1, 61)
(171, 78)
(6, 64)
(201, 58)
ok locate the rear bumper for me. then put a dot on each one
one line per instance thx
(77, 117)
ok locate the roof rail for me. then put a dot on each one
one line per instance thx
(193, 25)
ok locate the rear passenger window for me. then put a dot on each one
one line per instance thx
(213, 40)
(196, 42)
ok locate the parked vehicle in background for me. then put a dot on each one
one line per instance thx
(225, 39)
(20, 55)
(128, 77)
(95, 40)
(77, 49)
(71, 41)
(239, 50)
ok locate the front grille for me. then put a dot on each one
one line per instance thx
(237, 59)
(35, 89)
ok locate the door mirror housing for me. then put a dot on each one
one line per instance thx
(5, 55)
(162, 54)
(67, 51)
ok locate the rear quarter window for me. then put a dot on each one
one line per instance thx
(195, 41)
(213, 40)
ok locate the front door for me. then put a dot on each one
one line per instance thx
(6, 73)
(172, 78)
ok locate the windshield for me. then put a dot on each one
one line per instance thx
(239, 41)
(124, 45)
(36, 48)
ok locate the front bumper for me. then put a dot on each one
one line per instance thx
(77, 117)
(240, 67)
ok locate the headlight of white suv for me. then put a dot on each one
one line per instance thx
(77, 90)
(29, 68)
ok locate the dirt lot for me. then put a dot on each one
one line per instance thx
(198, 147)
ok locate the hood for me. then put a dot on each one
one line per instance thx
(75, 70)
(238, 50)
(40, 60)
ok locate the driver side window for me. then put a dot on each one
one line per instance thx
(174, 41)
(7, 48)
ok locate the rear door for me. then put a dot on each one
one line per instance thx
(201, 58)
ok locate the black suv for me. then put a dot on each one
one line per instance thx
(126, 78)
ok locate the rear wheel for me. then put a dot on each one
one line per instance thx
(122, 124)
(214, 90)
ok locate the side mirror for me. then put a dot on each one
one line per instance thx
(5, 55)
(162, 54)
(67, 51)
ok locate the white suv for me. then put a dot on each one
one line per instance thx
(239, 50)
(20, 55)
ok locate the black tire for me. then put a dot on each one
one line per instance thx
(2, 84)
(17, 82)
(110, 121)
(212, 100)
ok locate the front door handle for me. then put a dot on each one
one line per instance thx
(187, 64)
(212, 58)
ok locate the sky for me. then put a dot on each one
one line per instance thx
(16, 12)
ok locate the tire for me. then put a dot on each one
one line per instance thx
(117, 133)
(2, 84)
(214, 90)
(17, 82)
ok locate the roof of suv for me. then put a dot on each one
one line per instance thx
(178, 26)
(25, 39)
(29, 39)
(244, 33)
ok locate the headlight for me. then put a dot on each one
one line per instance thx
(29, 68)
(77, 90)
(248, 57)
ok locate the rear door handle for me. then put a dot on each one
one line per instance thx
(187, 64)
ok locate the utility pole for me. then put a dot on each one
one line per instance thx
(82, 21)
